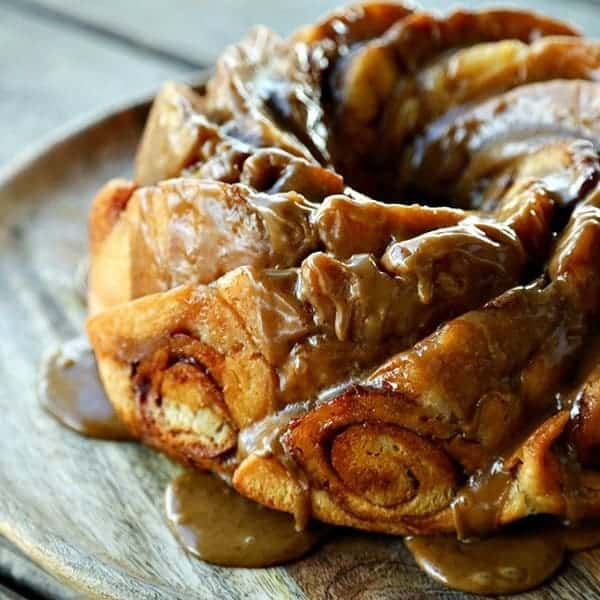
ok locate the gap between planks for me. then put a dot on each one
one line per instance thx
(64, 18)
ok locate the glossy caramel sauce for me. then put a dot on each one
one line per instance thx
(503, 564)
(70, 389)
(477, 507)
(218, 525)
(514, 560)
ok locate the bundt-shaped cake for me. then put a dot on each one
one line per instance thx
(358, 274)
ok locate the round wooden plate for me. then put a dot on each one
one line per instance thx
(91, 512)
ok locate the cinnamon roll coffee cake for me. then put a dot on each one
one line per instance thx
(357, 276)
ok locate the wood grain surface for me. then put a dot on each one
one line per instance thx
(90, 512)
(199, 29)
(51, 73)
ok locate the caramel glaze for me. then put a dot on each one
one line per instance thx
(514, 560)
(521, 556)
(210, 519)
(220, 526)
(70, 389)
(264, 438)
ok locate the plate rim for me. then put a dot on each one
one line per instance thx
(72, 128)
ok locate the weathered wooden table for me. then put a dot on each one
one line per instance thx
(62, 60)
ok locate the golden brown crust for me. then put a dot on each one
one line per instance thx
(163, 234)
(133, 332)
(471, 379)
(172, 135)
(109, 280)
(457, 149)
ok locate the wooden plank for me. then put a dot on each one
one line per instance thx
(199, 30)
(52, 74)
